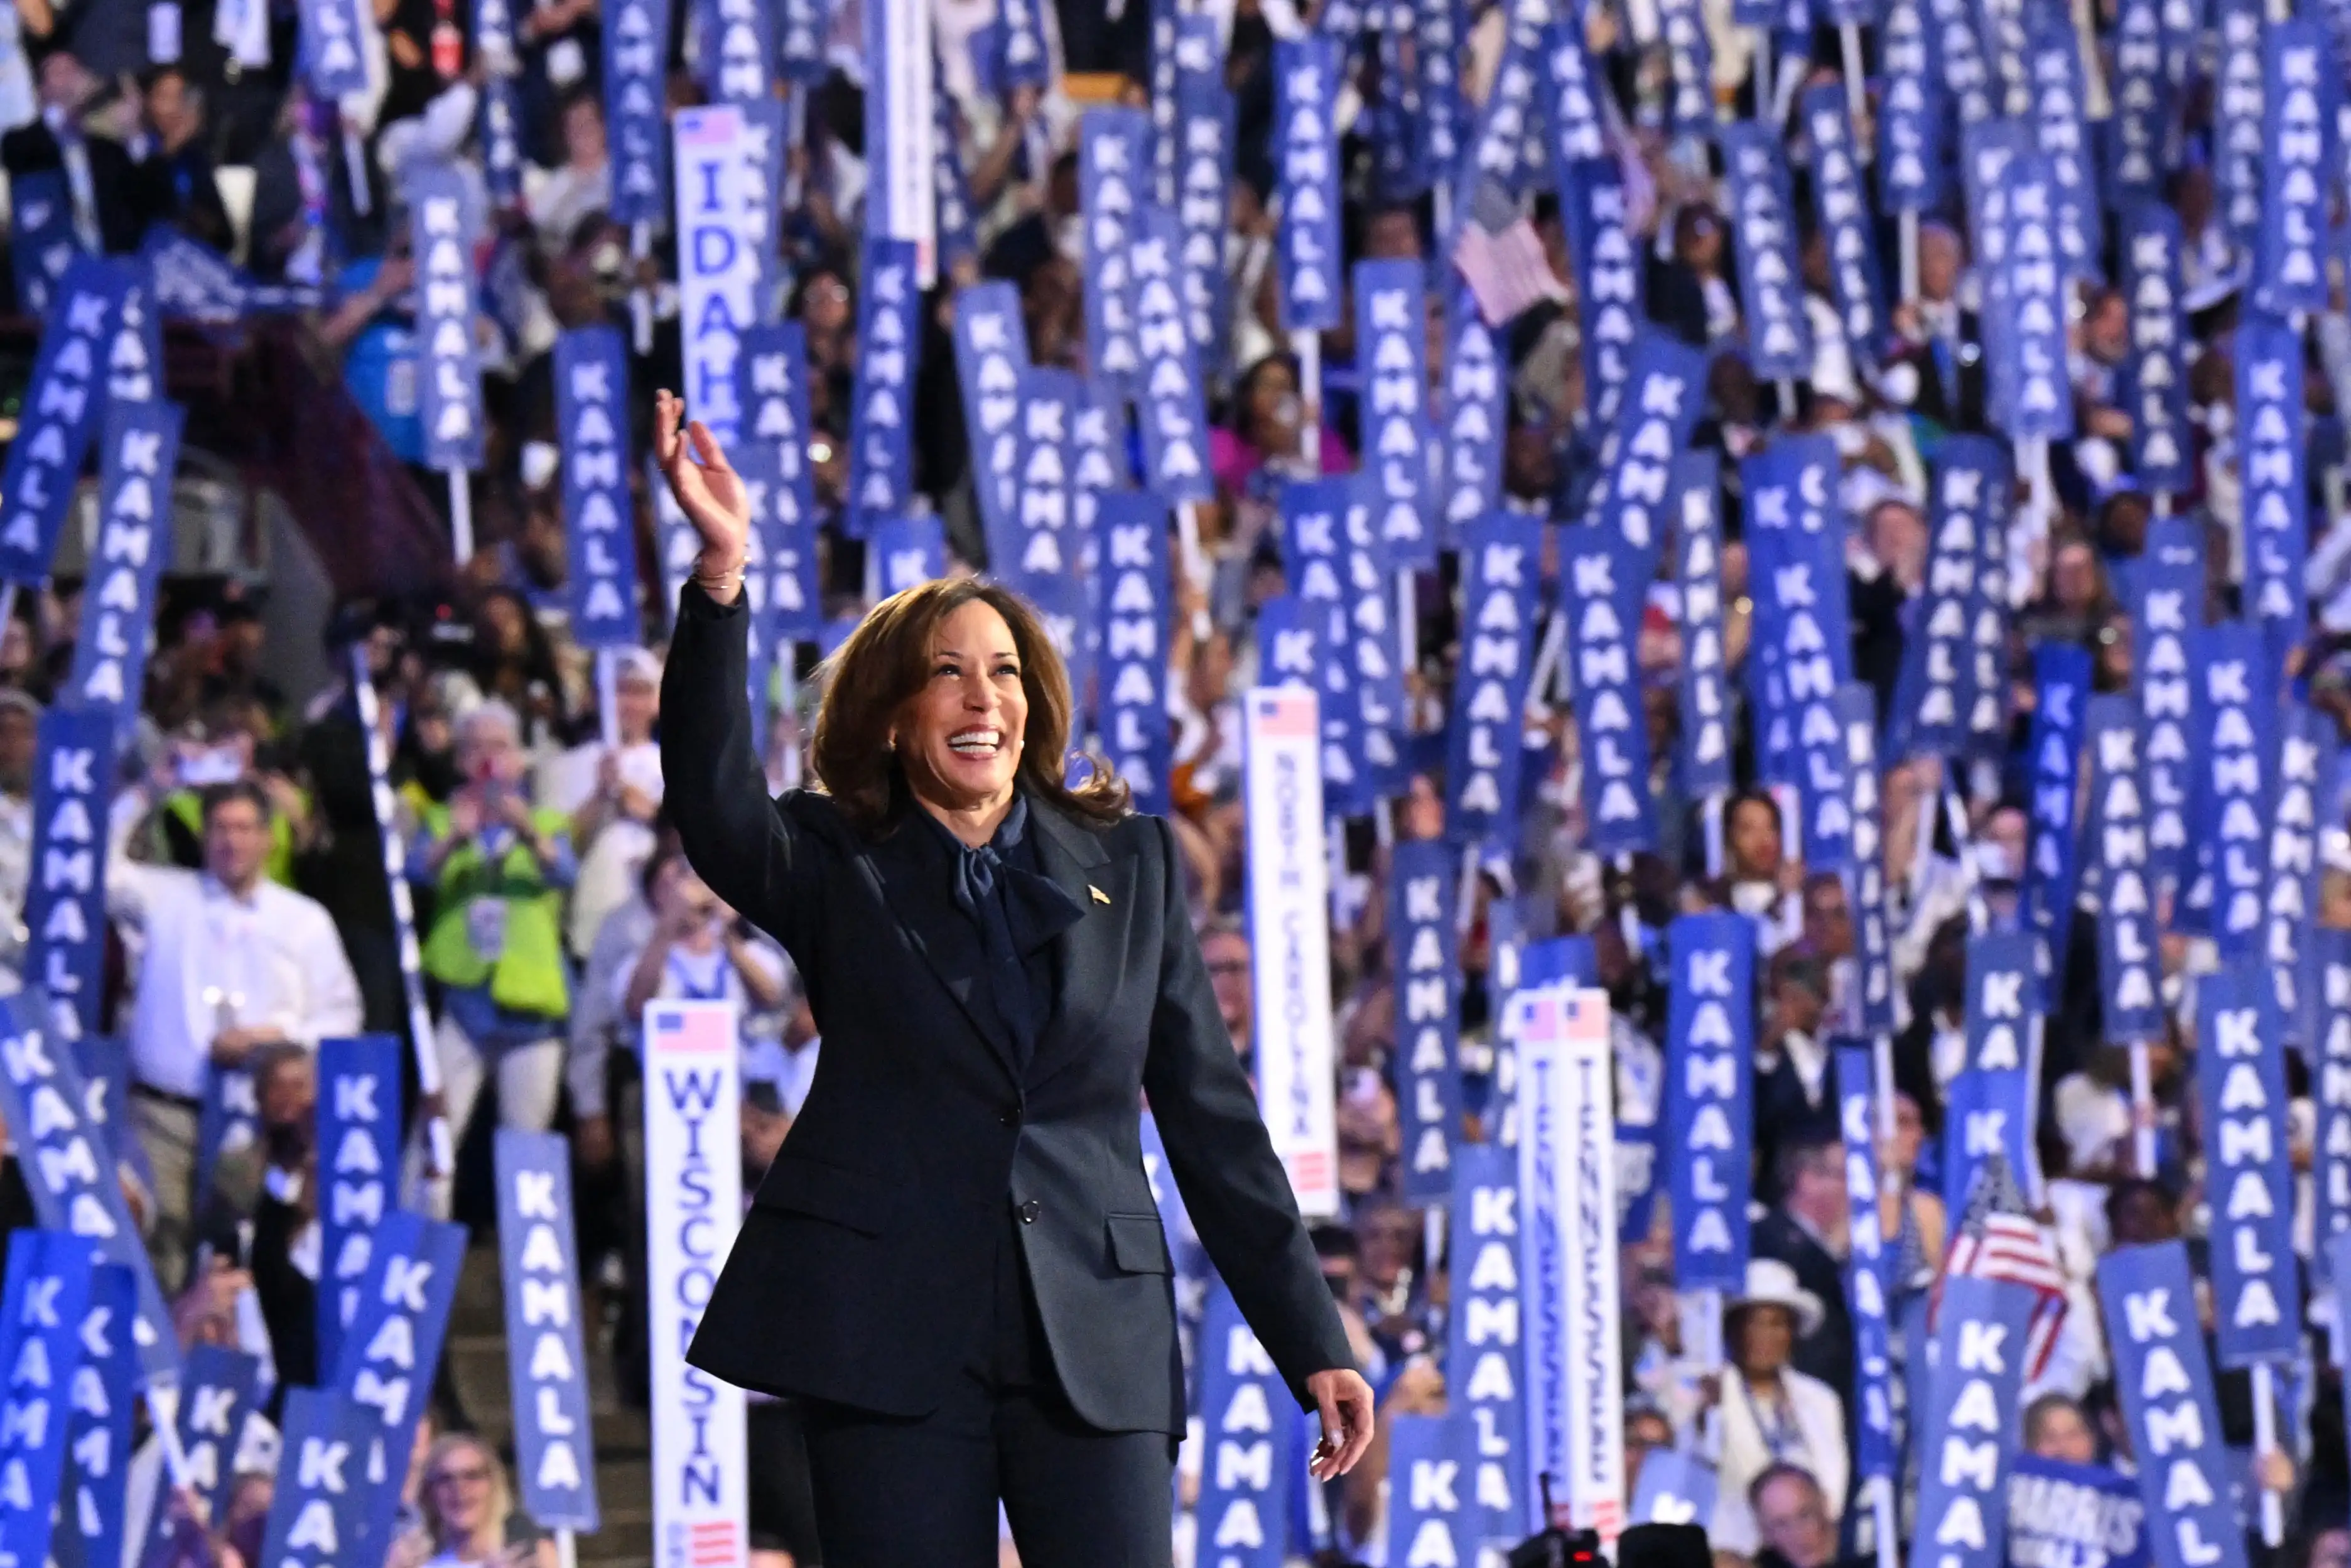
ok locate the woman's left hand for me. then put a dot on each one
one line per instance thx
(1347, 1406)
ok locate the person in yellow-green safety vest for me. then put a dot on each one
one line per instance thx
(499, 868)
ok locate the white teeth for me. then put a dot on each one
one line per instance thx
(975, 742)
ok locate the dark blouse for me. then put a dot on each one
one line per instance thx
(1018, 911)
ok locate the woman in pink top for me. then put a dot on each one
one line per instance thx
(1268, 415)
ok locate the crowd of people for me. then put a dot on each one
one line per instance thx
(245, 875)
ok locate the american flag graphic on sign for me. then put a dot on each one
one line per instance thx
(713, 1544)
(1997, 1238)
(694, 1031)
(1285, 714)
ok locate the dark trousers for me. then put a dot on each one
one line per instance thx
(893, 1492)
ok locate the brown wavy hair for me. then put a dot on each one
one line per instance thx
(872, 678)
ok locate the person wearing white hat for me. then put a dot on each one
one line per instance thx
(1765, 1412)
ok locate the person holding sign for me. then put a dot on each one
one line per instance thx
(955, 1261)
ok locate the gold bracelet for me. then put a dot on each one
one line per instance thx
(712, 584)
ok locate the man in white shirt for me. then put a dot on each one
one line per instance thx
(232, 962)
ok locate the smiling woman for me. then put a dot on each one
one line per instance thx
(955, 1261)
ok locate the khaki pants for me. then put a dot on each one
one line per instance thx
(167, 1131)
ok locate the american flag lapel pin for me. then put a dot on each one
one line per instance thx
(1100, 896)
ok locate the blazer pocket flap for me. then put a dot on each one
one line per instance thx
(1137, 1245)
(863, 1203)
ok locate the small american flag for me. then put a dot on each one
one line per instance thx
(1506, 268)
(1997, 1238)
(1285, 714)
(712, 1545)
(691, 1028)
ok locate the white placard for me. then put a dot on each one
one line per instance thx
(694, 1206)
(717, 273)
(1290, 941)
(910, 202)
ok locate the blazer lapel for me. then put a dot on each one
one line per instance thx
(913, 878)
(1088, 954)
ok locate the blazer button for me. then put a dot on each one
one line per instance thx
(1029, 1212)
(1011, 1116)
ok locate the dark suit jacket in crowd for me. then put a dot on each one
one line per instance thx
(120, 195)
(863, 1267)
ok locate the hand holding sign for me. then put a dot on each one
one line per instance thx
(709, 493)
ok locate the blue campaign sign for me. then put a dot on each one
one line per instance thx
(1710, 1096)
(2241, 1088)
(1988, 641)
(318, 1511)
(908, 552)
(1476, 416)
(41, 242)
(2142, 90)
(1500, 561)
(1022, 60)
(449, 363)
(391, 1348)
(229, 1118)
(64, 892)
(1913, 147)
(59, 415)
(2328, 1051)
(1170, 404)
(2130, 972)
(1368, 642)
(2164, 628)
(70, 1170)
(1573, 92)
(139, 450)
(1841, 206)
(1986, 1112)
(134, 363)
(1803, 564)
(1432, 1513)
(2309, 754)
(882, 410)
(1485, 1348)
(800, 28)
(214, 1396)
(358, 1173)
(958, 237)
(1392, 370)
(2030, 394)
(1423, 881)
(2237, 122)
(1932, 693)
(555, 1461)
(2005, 1000)
(2148, 1299)
(1865, 879)
(49, 1278)
(1663, 390)
(2074, 1516)
(2061, 673)
(499, 128)
(739, 51)
(591, 423)
(1113, 164)
(1972, 1421)
(2300, 90)
(2061, 130)
(636, 51)
(1702, 760)
(1672, 1488)
(991, 352)
(1203, 133)
(1770, 283)
(2234, 719)
(1313, 523)
(105, 1392)
(1438, 28)
(1609, 278)
(771, 386)
(1306, 167)
(1251, 1465)
(2273, 440)
(1601, 595)
(2154, 380)
(1041, 545)
(1498, 154)
(1137, 620)
(1288, 644)
(333, 59)
(1877, 1450)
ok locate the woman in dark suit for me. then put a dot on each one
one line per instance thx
(955, 1260)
